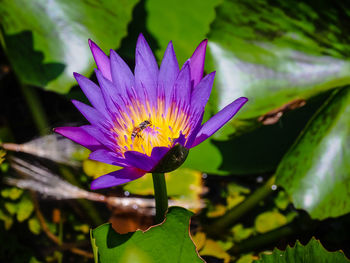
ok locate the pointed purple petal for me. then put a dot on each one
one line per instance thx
(101, 59)
(197, 62)
(197, 126)
(139, 160)
(122, 176)
(146, 70)
(182, 86)
(108, 157)
(78, 135)
(169, 69)
(201, 93)
(92, 92)
(100, 136)
(110, 94)
(122, 76)
(218, 120)
(158, 153)
(91, 114)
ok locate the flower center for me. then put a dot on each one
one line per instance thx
(141, 127)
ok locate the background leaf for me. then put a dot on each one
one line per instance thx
(315, 172)
(274, 52)
(312, 252)
(46, 41)
(167, 242)
(186, 23)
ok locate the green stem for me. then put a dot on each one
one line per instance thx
(231, 216)
(160, 195)
(36, 109)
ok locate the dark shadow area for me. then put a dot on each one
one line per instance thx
(28, 63)
(114, 239)
(136, 26)
(261, 150)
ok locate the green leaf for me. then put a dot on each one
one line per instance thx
(13, 193)
(47, 41)
(274, 52)
(315, 171)
(34, 226)
(8, 221)
(254, 150)
(268, 221)
(186, 23)
(311, 253)
(24, 209)
(167, 242)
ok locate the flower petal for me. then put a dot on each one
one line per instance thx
(90, 113)
(121, 73)
(101, 59)
(169, 69)
(218, 120)
(146, 70)
(122, 176)
(108, 157)
(158, 153)
(139, 160)
(102, 137)
(110, 94)
(182, 86)
(201, 93)
(92, 92)
(78, 135)
(197, 62)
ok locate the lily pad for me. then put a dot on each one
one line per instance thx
(310, 253)
(166, 242)
(46, 41)
(186, 23)
(275, 52)
(315, 172)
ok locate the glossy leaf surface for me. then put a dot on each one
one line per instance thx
(166, 242)
(46, 41)
(274, 52)
(315, 171)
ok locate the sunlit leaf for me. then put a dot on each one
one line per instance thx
(12, 192)
(268, 221)
(213, 248)
(25, 208)
(167, 242)
(240, 232)
(170, 20)
(8, 221)
(46, 41)
(315, 172)
(275, 52)
(310, 253)
(34, 226)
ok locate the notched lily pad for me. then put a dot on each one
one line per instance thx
(166, 242)
(310, 253)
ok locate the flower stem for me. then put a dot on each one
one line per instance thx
(160, 195)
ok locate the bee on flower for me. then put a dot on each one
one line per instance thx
(145, 121)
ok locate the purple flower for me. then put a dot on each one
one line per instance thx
(135, 119)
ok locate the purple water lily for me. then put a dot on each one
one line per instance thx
(135, 119)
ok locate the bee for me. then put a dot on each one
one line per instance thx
(138, 129)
